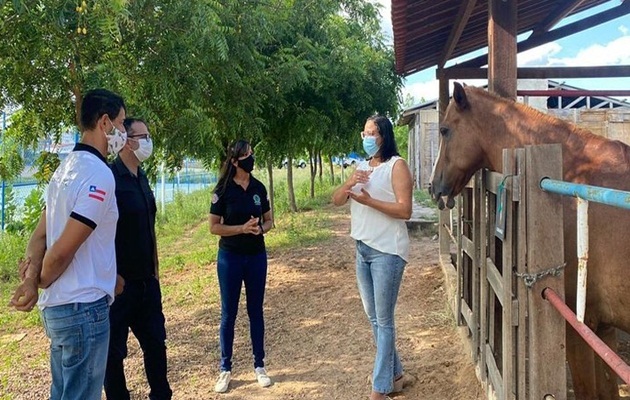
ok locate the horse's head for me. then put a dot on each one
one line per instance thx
(460, 154)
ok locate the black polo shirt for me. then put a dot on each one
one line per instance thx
(135, 245)
(237, 206)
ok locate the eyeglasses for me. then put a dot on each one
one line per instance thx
(144, 136)
(365, 134)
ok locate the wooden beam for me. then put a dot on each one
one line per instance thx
(609, 71)
(560, 12)
(463, 15)
(502, 47)
(567, 30)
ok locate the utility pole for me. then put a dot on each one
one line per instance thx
(4, 127)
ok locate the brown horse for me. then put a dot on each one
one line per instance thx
(477, 126)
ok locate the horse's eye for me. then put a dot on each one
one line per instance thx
(443, 130)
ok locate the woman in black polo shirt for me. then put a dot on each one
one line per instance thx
(240, 214)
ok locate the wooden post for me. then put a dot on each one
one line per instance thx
(445, 215)
(545, 251)
(508, 259)
(519, 287)
(502, 47)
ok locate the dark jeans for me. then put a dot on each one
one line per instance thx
(138, 307)
(233, 269)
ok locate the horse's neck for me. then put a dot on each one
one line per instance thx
(584, 154)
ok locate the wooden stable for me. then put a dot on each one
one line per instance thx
(516, 338)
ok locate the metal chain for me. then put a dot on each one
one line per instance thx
(531, 279)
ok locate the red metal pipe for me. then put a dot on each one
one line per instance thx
(613, 360)
(573, 93)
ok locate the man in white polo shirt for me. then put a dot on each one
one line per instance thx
(71, 254)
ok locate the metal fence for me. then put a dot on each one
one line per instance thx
(165, 190)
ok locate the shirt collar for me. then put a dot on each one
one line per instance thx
(89, 149)
(122, 168)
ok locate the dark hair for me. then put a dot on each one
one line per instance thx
(98, 102)
(130, 121)
(385, 129)
(228, 170)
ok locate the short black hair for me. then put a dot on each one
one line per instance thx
(98, 102)
(386, 130)
(130, 121)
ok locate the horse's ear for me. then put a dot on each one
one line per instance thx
(459, 94)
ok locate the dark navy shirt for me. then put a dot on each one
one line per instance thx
(237, 206)
(135, 239)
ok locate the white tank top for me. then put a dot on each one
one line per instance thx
(372, 227)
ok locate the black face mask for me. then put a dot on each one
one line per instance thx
(247, 164)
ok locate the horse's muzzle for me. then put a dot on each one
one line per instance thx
(438, 196)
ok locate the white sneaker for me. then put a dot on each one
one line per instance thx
(261, 376)
(223, 382)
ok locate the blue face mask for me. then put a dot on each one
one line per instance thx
(370, 146)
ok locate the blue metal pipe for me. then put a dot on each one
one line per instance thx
(611, 197)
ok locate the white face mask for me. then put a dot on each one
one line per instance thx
(115, 140)
(144, 150)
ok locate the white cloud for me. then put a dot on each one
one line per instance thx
(538, 56)
(430, 90)
(616, 52)
(623, 30)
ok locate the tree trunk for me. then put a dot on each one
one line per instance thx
(313, 167)
(321, 169)
(290, 191)
(271, 189)
(332, 170)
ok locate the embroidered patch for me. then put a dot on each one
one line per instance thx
(96, 193)
(215, 198)
(256, 199)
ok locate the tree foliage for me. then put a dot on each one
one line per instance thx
(295, 77)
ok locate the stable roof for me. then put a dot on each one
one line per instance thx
(431, 32)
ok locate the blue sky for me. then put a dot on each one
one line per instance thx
(607, 44)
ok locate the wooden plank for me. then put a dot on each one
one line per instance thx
(556, 16)
(607, 71)
(468, 315)
(493, 180)
(460, 267)
(494, 374)
(477, 216)
(558, 33)
(465, 9)
(468, 247)
(506, 294)
(483, 277)
(521, 290)
(545, 243)
(494, 277)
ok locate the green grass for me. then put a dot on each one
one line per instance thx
(422, 197)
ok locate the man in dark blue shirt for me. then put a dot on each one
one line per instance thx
(139, 306)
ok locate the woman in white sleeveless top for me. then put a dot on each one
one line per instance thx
(380, 190)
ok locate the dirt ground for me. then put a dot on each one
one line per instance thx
(318, 340)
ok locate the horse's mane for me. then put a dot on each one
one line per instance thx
(532, 113)
(571, 132)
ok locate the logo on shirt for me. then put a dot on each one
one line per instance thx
(215, 198)
(96, 193)
(256, 199)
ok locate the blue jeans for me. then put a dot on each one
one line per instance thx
(138, 307)
(378, 277)
(233, 269)
(79, 337)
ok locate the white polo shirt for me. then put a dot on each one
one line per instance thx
(83, 188)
